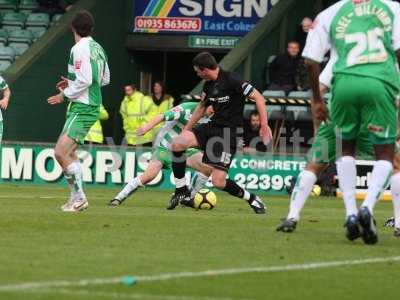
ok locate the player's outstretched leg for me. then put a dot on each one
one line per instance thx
(200, 177)
(219, 181)
(149, 174)
(197, 182)
(301, 192)
(128, 190)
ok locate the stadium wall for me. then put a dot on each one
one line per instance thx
(33, 76)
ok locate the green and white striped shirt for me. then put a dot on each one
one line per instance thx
(3, 86)
(87, 72)
(176, 118)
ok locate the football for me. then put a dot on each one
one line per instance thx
(205, 199)
(316, 191)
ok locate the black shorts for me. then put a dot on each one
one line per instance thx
(218, 144)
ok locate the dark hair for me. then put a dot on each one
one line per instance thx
(163, 95)
(83, 23)
(293, 42)
(130, 85)
(254, 113)
(205, 60)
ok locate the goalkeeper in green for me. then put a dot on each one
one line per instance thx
(176, 119)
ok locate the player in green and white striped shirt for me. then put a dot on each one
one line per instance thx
(87, 73)
(176, 119)
(6, 93)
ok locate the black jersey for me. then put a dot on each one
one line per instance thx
(227, 95)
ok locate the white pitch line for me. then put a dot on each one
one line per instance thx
(114, 295)
(170, 276)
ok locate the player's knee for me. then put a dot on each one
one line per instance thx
(218, 181)
(58, 153)
(178, 144)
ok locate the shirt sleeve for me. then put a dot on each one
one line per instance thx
(3, 84)
(174, 113)
(318, 40)
(83, 72)
(396, 27)
(241, 86)
(105, 80)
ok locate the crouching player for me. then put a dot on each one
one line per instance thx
(176, 118)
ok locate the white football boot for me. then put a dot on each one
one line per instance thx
(75, 205)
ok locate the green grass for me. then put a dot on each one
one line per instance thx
(39, 243)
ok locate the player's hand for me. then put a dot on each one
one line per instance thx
(4, 103)
(142, 130)
(56, 99)
(319, 111)
(62, 84)
(266, 134)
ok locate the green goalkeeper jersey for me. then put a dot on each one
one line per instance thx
(362, 35)
(87, 72)
(176, 118)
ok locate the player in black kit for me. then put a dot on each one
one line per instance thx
(218, 139)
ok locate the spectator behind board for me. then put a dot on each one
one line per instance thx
(251, 136)
(283, 69)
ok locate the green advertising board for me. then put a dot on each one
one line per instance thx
(215, 42)
(114, 166)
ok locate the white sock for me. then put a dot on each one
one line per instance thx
(395, 189)
(379, 180)
(180, 182)
(198, 181)
(301, 191)
(347, 174)
(129, 188)
(246, 195)
(73, 175)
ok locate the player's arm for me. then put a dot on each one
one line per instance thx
(173, 114)
(317, 45)
(6, 98)
(265, 131)
(83, 71)
(198, 113)
(72, 89)
(150, 125)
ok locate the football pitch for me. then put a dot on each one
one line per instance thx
(225, 253)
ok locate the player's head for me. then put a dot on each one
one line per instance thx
(129, 89)
(306, 24)
(83, 24)
(293, 48)
(210, 111)
(254, 120)
(205, 65)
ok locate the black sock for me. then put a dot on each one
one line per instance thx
(233, 188)
(179, 164)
